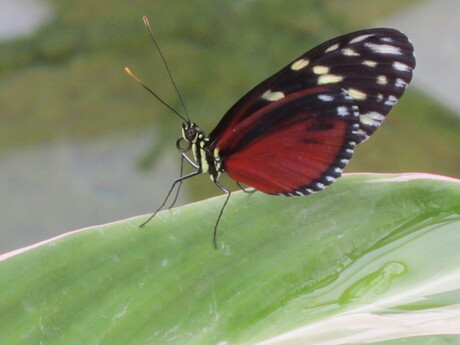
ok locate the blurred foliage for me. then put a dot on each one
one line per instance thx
(67, 81)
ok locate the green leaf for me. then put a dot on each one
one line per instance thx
(370, 259)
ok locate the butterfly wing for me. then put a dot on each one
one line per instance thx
(302, 147)
(295, 132)
(374, 66)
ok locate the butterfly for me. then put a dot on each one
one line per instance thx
(294, 133)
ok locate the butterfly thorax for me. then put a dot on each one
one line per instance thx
(207, 159)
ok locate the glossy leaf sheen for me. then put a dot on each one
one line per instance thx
(371, 259)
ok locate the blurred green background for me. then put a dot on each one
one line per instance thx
(66, 81)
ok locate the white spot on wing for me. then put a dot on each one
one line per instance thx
(299, 64)
(332, 48)
(384, 48)
(320, 185)
(360, 38)
(361, 132)
(320, 69)
(382, 80)
(375, 115)
(400, 66)
(356, 94)
(400, 83)
(391, 100)
(326, 98)
(369, 63)
(329, 79)
(367, 121)
(371, 118)
(272, 96)
(343, 111)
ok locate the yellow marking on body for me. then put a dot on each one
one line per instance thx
(299, 64)
(356, 94)
(332, 48)
(272, 96)
(329, 79)
(217, 162)
(195, 152)
(204, 163)
(320, 69)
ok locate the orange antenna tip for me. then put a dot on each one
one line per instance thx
(146, 21)
(131, 74)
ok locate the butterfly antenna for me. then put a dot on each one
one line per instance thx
(152, 36)
(131, 74)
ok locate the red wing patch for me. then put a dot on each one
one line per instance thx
(298, 154)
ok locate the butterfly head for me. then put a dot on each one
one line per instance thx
(191, 134)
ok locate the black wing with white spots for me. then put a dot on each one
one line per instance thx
(373, 66)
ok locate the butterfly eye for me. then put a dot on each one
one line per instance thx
(190, 132)
(179, 146)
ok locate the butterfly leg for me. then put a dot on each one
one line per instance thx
(228, 192)
(192, 163)
(244, 189)
(179, 180)
(180, 184)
